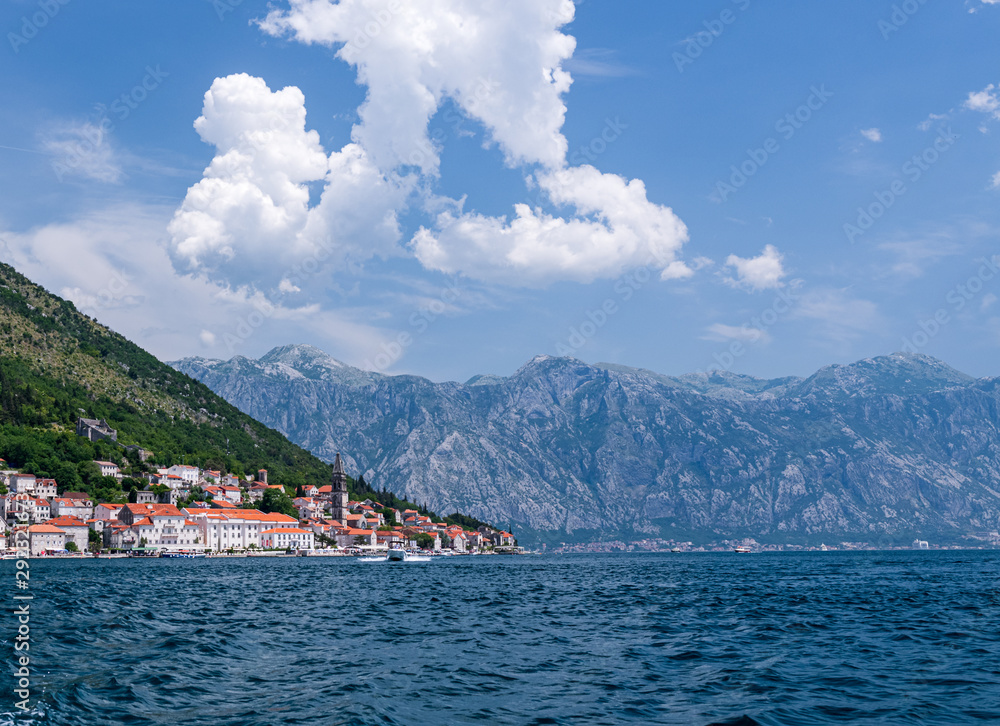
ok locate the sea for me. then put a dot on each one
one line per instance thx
(654, 638)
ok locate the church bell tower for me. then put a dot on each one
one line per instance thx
(338, 493)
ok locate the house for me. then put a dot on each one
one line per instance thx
(45, 488)
(22, 483)
(356, 521)
(308, 507)
(168, 530)
(232, 494)
(231, 528)
(145, 497)
(108, 469)
(82, 509)
(76, 531)
(45, 537)
(189, 474)
(107, 511)
(129, 514)
(119, 536)
(76, 495)
(353, 537)
(291, 538)
(97, 525)
(387, 538)
(503, 539)
(459, 543)
(39, 509)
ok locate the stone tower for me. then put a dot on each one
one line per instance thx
(338, 495)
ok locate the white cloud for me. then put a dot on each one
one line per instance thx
(841, 318)
(628, 231)
(501, 63)
(985, 101)
(996, 180)
(931, 119)
(249, 217)
(113, 265)
(744, 333)
(874, 135)
(758, 273)
(83, 150)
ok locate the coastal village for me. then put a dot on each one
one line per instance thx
(183, 509)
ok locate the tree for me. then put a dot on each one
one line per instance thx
(425, 541)
(71, 547)
(277, 501)
(94, 540)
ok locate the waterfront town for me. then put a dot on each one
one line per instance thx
(185, 509)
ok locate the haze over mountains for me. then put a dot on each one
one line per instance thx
(882, 450)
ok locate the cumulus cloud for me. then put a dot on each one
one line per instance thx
(757, 273)
(628, 231)
(250, 214)
(873, 135)
(502, 64)
(113, 266)
(985, 101)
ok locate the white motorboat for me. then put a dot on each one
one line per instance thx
(396, 554)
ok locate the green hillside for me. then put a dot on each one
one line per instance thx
(57, 365)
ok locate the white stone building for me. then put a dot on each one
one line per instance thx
(286, 538)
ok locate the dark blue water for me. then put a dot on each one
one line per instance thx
(873, 638)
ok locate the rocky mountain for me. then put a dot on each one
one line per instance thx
(880, 451)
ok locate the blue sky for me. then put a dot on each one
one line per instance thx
(760, 187)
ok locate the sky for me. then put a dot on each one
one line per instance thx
(452, 187)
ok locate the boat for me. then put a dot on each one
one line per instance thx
(742, 550)
(182, 555)
(675, 549)
(396, 554)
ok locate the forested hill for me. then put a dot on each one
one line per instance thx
(57, 364)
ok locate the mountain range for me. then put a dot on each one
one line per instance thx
(880, 451)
